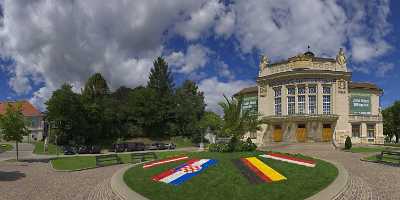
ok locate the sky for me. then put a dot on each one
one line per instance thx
(217, 44)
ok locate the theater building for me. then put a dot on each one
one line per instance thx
(312, 99)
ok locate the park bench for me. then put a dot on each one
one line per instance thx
(395, 155)
(110, 159)
(143, 156)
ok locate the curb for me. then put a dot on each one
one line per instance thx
(119, 187)
(337, 187)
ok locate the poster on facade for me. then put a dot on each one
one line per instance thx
(360, 105)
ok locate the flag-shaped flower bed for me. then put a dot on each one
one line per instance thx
(164, 161)
(257, 171)
(289, 159)
(184, 172)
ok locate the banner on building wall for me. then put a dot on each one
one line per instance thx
(360, 105)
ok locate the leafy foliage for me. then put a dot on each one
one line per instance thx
(13, 124)
(236, 122)
(391, 121)
(99, 116)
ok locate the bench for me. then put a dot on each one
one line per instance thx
(396, 155)
(110, 159)
(143, 156)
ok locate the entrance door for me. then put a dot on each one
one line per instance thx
(326, 133)
(277, 134)
(301, 133)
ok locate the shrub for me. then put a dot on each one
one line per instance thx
(233, 145)
(219, 148)
(347, 143)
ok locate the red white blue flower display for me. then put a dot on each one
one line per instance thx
(184, 172)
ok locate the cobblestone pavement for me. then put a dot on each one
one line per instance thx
(367, 180)
(37, 181)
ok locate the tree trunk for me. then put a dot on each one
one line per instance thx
(16, 144)
(397, 138)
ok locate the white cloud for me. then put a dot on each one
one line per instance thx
(53, 42)
(201, 20)
(225, 24)
(284, 28)
(196, 57)
(214, 90)
(224, 71)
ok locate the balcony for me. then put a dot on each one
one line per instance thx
(365, 118)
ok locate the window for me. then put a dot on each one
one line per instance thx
(312, 104)
(301, 103)
(278, 106)
(291, 105)
(326, 90)
(278, 91)
(326, 104)
(301, 90)
(355, 130)
(371, 130)
(278, 101)
(291, 90)
(312, 89)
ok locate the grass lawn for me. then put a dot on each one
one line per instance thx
(181, 142)
(368, 149)
(224, 181)
(386, 158)
(87, 162)
(6, 147)
(52, 149)
(392, 145)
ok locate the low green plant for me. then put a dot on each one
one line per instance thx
(235, 145)
(347, 143)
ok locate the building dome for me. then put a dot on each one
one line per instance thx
(309, 53)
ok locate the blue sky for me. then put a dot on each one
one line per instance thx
(216, 43)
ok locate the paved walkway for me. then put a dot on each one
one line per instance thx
(367, 180)
(37, 181)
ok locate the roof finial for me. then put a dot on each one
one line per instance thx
(308, 48)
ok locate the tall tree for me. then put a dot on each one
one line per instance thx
(161, 83)
(238, 122)
(13, 125)
(66, 111)
(391, 121)
(160, 78)
(189, 109)
(96, 86)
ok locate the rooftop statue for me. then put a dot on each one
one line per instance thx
(341, 58)
(264, 62)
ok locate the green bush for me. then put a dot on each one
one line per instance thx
(219, 148)
(347, 143)
(234, 145)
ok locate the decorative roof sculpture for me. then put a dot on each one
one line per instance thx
(341, 58)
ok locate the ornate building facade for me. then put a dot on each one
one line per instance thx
(312, 99)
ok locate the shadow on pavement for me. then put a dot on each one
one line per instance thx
(35, 160)
(11, 176)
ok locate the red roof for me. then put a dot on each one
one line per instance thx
(28, 109)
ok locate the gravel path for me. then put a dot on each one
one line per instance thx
(367, 180)
(37, 181)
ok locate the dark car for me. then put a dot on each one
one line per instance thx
(95, 149)
(134, 146)
(118, 148)
(68, 150)
(170, 146)
(157, 146)
(152, 147)
(84, 149)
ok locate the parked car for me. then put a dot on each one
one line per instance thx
(95, 149)
(134, 146)
(170, 145)
(118, 148)
(68, 150)
(153, 146)
(84, 149)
